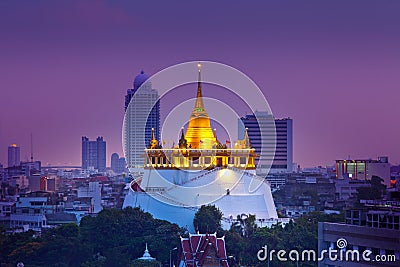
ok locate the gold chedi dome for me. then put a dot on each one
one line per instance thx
(199, 134)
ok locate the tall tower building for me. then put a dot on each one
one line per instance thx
(118, 165)
(138, 122)
(283, 159)
(13, 156)
(114, 161)
(94, 154)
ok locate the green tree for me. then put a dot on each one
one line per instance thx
(299, 235)
(374, 191)
(120, 235)
(11, 244)
(207, 219)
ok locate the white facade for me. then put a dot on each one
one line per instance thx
(94, 192)
(170, 202)
(25, 222)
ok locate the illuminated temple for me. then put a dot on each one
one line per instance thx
(199, 147)
(201, 170)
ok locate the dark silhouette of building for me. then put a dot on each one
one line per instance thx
(94, 154)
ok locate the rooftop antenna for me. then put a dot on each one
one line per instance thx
(31, 148)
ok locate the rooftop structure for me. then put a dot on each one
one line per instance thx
(146, 255)
(199, 147)
(203, 250)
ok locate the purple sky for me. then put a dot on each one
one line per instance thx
(333, 66)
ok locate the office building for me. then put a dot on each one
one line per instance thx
(118, 165)
(259, 127)
(37, 182)
(31, 167)
(364, 169)
(93, 191)
(13, 156)
(94, 154)
(142, 114)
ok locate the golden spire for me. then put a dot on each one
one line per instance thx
(246, 140)
(153, 141)
(199, 129)
(199, 106)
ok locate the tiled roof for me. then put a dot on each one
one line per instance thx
(196, 247)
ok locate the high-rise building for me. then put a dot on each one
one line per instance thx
(118, 165)
(114, 161)
(13, 156)
(93, 154)
(283, 159)
(141, 117)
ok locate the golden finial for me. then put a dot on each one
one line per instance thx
(199, 66)
(153, 141)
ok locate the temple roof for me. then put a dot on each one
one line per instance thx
(200, 247)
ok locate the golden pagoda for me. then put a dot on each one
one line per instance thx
(199, 133)
(199, 148)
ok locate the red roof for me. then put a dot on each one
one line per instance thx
(197, 248)
(136, 187)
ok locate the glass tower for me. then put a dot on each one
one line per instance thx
(13, 156)
(142, 114)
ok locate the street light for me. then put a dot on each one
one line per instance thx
(170, 256)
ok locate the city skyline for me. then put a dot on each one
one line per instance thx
(332, 68)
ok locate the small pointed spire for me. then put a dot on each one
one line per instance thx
(247, 139)
(153, 141)
(199, 78)
(182, 140)
(182, 133)
(199, 100)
